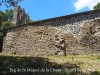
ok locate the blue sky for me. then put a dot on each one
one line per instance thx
(44, 9)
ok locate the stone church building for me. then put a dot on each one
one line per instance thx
(52, 36)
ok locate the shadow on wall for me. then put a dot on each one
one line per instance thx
(11, 65)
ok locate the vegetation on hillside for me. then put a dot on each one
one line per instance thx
(50, 65)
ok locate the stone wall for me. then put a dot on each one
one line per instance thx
(89, 36)
(38, 40)
(72, 22)
(52, 36)
(19, 16)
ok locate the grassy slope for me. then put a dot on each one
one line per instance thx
(89, 63)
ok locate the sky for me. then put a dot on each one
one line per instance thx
(44, 9)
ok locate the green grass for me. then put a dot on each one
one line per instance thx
(57, 65)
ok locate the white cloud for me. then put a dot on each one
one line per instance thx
(80, 4)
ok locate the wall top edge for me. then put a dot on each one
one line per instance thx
(56, 18)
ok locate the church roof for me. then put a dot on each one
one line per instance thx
(56, 18)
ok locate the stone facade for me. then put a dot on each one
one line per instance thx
(48, 37)
(72, 22)
(90, 35)
(19, 16)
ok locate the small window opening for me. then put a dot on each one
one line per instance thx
(41, 36)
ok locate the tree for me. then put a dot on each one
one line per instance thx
(9, 14)
(9, 3)
(5, 21)
(96, 7)
(6, 16)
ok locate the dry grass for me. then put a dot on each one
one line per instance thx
(89, 64)
(89, 61)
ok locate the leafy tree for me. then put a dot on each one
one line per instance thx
(9, 14)
(9, 3)
(5, 21)
(96, 7)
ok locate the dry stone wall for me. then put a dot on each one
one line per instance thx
(90, 35)
(54, 36)
(35, 40)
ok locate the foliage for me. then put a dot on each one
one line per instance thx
(9, 14)
(9, 3)
(96, 7)
(31, 20)
(5, 21)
